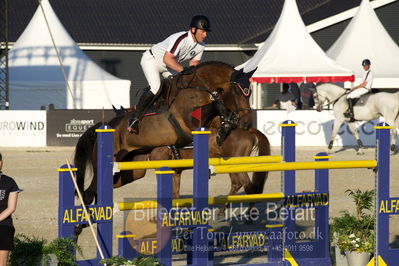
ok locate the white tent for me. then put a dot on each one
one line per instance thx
(366, 37)
(36, 78)
(291, 55)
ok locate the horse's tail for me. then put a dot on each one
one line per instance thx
(263, 146)
(84, 154)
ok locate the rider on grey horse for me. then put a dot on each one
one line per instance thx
(360, 89)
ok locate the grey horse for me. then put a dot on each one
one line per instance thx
(369, 107)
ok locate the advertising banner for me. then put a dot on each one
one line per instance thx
(64, 127)
(23, 128)
(313, 129)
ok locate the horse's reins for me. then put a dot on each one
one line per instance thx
(230, 117)
(206, 89)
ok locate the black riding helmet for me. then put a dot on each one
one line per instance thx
(366, 62)
(200, 22)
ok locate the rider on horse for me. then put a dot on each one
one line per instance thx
(165, 58)
(360, 89)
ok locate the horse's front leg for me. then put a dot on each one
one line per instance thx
(394, 133)
(337, 125)
(352, 127)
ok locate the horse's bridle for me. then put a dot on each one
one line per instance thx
(318, 100)
(245, 91)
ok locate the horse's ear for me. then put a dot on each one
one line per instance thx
(115, 110)
(237, 75)
(250, 73)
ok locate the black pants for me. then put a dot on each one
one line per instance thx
(7, 237)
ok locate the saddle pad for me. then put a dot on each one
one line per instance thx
(363, 99)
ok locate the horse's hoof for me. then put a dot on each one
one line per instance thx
(330, 145)
(360, 152)
(360, 144)
(393, 147)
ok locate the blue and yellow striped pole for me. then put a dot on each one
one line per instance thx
(383, 254)
(66, 200)
(201, 193)
(164, 199)
(288, 178)
(321, 246)
(105, 140)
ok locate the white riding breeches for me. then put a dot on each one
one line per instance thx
(152, 71)
(357, 93)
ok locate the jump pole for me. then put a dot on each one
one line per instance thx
(189, 163)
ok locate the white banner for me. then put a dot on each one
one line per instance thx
(23, 128)
(314, 128)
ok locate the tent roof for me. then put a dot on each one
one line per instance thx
(34, 50)
(366, 37)
(291, 55)
(36, 77)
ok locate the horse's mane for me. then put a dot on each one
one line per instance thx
(214, 63)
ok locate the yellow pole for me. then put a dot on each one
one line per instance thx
(140, 205)
(188, 163)
(222, 169)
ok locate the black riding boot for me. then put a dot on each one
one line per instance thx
(349, 113)
(145, 99)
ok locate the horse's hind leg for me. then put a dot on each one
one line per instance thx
(236, 185)
(352, 127)
(253, 187)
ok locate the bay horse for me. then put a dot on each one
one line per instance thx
(214, 86)
(369, 107)
(239, 143)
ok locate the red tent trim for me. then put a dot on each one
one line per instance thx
(303, 79)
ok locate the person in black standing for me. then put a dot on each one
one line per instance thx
(8, 204)
(294, 89)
